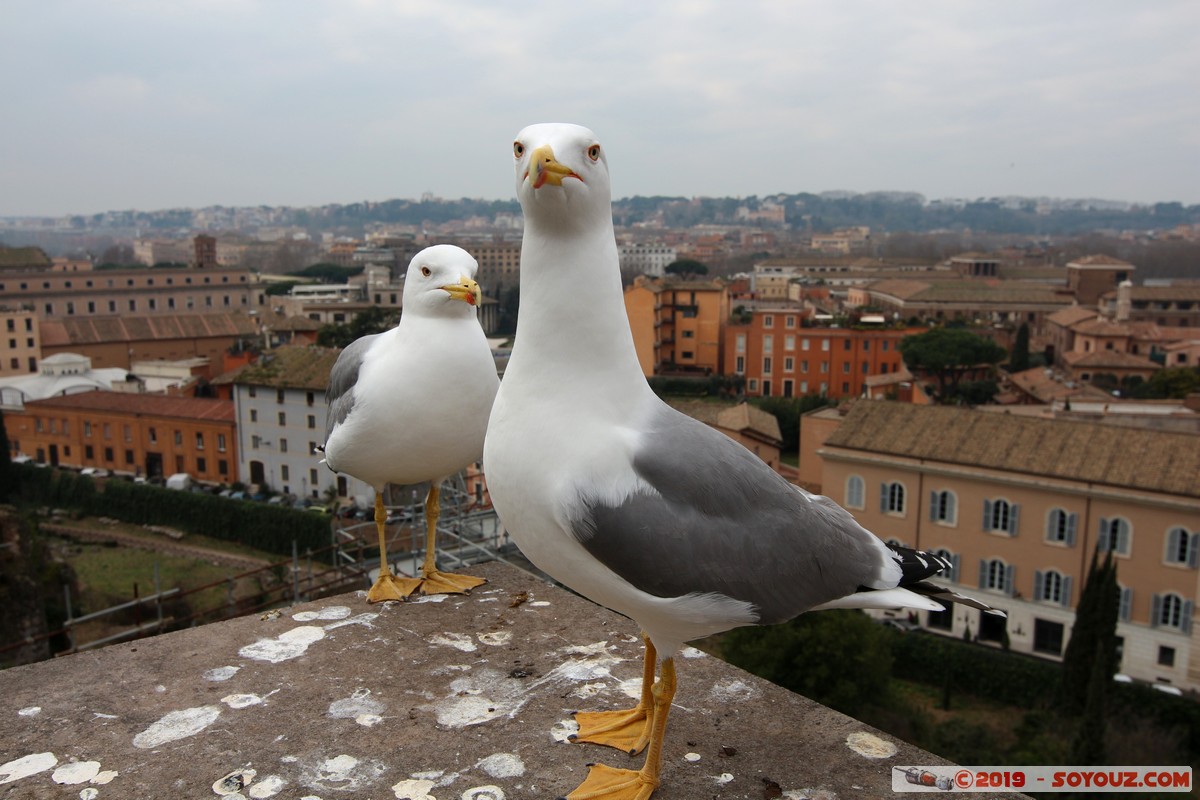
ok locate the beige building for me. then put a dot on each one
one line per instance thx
(749, 426)
(1019, 505)
(22, 343)
(1091, 277)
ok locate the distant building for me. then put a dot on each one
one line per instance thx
(151, 435)
(61, 374)
(280, 408)
(1176, 305)
(677, 325)
(1018, 506)
(21, 341)
(204, 253)
(749, 426)
(778, 357)
(646, 258)
(1091, 277)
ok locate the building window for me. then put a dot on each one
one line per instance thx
(740, 365)
(250, 390)
(997, 576)
(1115, 535)
(223, 467)
(1052, 587)
(1183, 547)
(1000, 516)
(752, 385)
(313, 478)
(199, 441)
(768, 321)
(789, 341)
(283, 418)
(1047, 637)
(804, 344)
(855, 492)
(153, 436)
(1126, 607)
(790, 321)
(768, 344)
(943, 507)
(255, 442)
(789, 364)
(309, 398)
(825, 345)
(179, 438)
(1060, 527)
(1171, 611)
(254, 415)
(284, 473)
(741, 343)
(766, 364)
(220, 443)
(1166, 656)
(279, 395)
(282, 445)
(87, 428)
(108, 455)
(941, 620)
(891, 498)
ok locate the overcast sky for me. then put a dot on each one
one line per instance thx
(153, 104)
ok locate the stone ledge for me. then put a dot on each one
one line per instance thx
(338, 699)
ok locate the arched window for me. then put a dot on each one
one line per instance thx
(1000, 516)
(855, 492)
(1183, 547)
(1115, 534)
(996, 575)
(952, 573)
(1061, 526)
(891, 498)
(1052, 586)
(943, 507)
(1171, 611)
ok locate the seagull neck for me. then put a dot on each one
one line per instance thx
(573, 309)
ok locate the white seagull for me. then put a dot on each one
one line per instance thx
(631, 503)
(411, 404)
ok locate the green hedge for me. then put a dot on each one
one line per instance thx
(264, 527)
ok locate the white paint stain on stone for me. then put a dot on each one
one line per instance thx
(231, 784)
(330, 612)
(631, 687)
(358, 705)
(810, 794)
(440, 778)
(285, 646)
(105, 777)
(89, 793)
(502, 765)
(496, 638)
(220, 673)
(241, 700)
(722, 779)
(366, 620)
(456, 640)
(692, 652)
(368, 720)
(414, 789)
(177, 725)
(691, 757)
(76, 772)
(488, 792)
(539, 603)
(31, 711)
(731, 691)
(429, 598)
(869, 745)
(98, 715)
(563, 730)
(343, 773)
(450, 669)
(269, 786)
(588, 690)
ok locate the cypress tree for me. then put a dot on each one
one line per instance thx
(1019, 360)
(1093, 642)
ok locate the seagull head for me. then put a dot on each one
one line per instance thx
(562, 173)
(441, 282)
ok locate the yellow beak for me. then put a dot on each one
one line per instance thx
(466, 290)
(545, 168)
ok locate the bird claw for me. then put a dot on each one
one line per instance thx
(438, 582)
(609, 783)
(627, 730)
(389, 587)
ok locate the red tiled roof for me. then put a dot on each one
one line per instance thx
(148, 405)
(99, 329)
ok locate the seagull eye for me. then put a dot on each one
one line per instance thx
(518, 149)
(594, 152)
(426, 271)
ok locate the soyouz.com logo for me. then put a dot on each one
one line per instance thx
(1041, 779)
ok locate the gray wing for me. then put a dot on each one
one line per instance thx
(343, 376)
(725, 522)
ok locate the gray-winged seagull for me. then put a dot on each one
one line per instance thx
(631, 503)
(411, 404)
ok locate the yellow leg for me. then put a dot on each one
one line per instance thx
(434, 581)
(608, 783)
(629, 729)
(387, 586)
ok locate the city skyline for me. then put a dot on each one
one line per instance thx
(206, 102)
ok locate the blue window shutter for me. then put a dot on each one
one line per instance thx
(983, 574)
(954, 560)
(1102, 536)
(933, 506)
(1072, 524)
(1037, 584)
(1172, 552)
(883, 497)
(1126, 604)
(951, 502)
(1010, 573)
(1156, 610)
(1122, 542)
(1193, 551)
(1186, 623)
(987, 515)
(1014, 512)
(1066, 591)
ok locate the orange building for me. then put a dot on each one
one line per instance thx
(132, 434)
(677, 325)
(779, 358)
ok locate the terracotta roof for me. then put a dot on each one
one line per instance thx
(1099, 326)
(1151, 460)
(735, 417)
(99, 329)
(1109, 358)
(1046, 387)
(900, 289)
(20, 258)
(148, 405)
(1067, 317)
(292, 324)
(1100, 261)
(289, 367)
(1174, 293)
